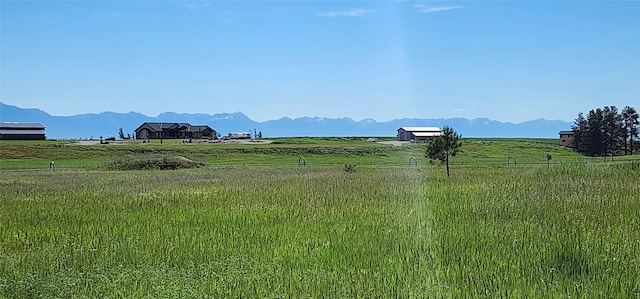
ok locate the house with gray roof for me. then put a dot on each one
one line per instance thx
(22, 131)
(170, 130)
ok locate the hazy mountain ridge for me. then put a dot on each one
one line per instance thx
(107, 124)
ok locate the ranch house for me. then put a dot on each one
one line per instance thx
(21, 131)
(418, 134)
(566, 138)
(159, 130)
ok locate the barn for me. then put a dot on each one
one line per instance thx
(418, 134)
(21, 131)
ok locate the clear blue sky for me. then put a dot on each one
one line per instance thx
(505, 60)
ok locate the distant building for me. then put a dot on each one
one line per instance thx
(22, 131)
(566, 138)
(239, 135)
(158, 130)
(418, 133)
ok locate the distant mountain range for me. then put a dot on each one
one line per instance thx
(108, 123)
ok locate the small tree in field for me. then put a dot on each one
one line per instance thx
(444, 146)
(121, 133)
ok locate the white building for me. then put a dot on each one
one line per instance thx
(239, 135)
(418, 133)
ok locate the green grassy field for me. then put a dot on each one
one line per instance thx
(283, 151)
(265, 227)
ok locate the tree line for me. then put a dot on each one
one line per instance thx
(605, 131)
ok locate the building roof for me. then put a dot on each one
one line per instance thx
(159, 126)
(427, 134)
(566, 133)
(21, 132)
(20, 125)
(420, 129)
(200, 128)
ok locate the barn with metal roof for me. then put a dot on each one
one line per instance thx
(418, 133)
(21, 131)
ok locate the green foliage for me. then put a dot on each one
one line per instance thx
(528, 231)
(444, 146)
(196, 135)
(202, 233)
(533, 232)
(631, 121)
(605, 131)
(321, 151)
(151, 162)
(349, 168)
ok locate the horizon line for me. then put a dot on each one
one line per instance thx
(282, 117)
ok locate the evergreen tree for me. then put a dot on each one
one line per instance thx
(444, 146)
(613, 131)
(580, 136)
(630, 120)
(602, 132)
(121, 133)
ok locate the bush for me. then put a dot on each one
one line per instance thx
(349, 168)
(143, 163)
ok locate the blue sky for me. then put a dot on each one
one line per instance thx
(505, 60)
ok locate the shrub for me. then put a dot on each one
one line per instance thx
(349, 168)
(141, 163)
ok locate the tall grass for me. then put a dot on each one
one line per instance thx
(238, 233)
(526, 231)
(565, 231)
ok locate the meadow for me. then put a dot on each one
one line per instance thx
(252, 223)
